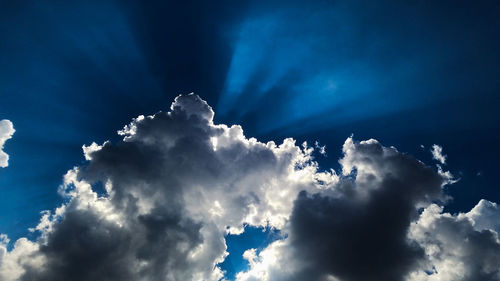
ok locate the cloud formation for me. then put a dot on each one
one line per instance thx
(459, 247)
(358, 231)
(177, 183)
(6, 132)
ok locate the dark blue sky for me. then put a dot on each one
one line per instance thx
(412, 73)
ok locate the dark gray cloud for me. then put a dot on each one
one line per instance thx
(353, 241)
(363, 231)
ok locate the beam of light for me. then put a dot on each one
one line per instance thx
(87, 68)
(258, 62)
(290, 69)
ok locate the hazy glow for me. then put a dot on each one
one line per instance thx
(294, 74)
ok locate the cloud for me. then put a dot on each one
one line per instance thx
(177, 183)
(459, 247)
(437, 154)
(6, 132)
(321, 148)
(357, 231)
(373, 229)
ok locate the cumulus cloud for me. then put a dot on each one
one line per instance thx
(358, 230)
(6, 132)
(437, 154)
(177, 184)
(459, 247)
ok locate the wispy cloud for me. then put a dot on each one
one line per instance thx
(437, 154)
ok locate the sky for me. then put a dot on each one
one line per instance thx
(388, 96)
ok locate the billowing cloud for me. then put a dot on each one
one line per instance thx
(373, 227)
(177, 183)
(359, 231)
(459, 247)
(6, 132)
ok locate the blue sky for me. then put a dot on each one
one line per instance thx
(407, 74)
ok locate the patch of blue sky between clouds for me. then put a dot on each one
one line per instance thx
(252, 238)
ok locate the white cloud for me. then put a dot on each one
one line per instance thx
(437, 154)
(485, 215)
(447, 175)
(6, 132)
(458, 247)
(321, 148)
